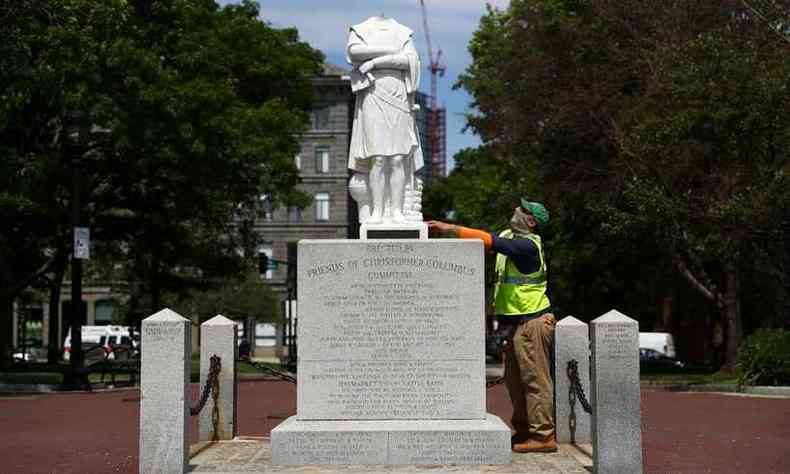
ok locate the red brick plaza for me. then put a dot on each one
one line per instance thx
(98, 432)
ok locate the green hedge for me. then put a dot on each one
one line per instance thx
(764, 358)
(31, 378)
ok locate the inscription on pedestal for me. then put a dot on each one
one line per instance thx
(390, 330)
(338, 447)
(468, 442)
(392, 320)
(617, 343)
(408, 389)
(449, 447)
(160, 332)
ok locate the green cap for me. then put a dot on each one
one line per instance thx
(536, 209)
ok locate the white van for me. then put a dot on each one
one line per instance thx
(105, 336)
(658, 341)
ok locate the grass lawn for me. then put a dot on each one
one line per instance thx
(50, 374)
(242, 367)
(690, 378)
(32, 378)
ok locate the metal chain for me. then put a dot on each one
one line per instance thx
(576, 390)
(286, 376)
(215, 407)
(212, 384)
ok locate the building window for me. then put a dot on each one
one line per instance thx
(321, 118)
(266, 207)
(322, 206)
(294, 214)
(298, 161)
(322, 159)
(105, 309)
(265, 263)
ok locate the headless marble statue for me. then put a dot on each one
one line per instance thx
(385, 149)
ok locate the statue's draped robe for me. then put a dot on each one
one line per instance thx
(384, 122)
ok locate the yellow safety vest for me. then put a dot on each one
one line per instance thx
(517, 293)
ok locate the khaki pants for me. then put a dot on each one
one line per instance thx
(528, 378)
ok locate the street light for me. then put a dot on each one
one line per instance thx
(78, 130)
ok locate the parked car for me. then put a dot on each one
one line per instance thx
(662, 342)
(21, 355)
(652, 360)
(107, 337)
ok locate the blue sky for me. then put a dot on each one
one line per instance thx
(324, 24)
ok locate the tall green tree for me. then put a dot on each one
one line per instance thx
(242, 297)
(667, 126)
(188, 111)
(708, 161)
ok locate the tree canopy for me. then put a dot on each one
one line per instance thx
(658, 136)
(179, 116)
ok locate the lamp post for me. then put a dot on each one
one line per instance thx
(77, 135)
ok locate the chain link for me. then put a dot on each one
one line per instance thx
(215, 407)
(212, 385)
(494, 382)
(576, 391)
(278, 374)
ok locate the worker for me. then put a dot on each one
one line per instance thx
(522, 306)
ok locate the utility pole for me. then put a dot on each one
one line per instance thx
(77, 135)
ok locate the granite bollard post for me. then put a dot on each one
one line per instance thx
(572, 342)
(218, 336)
(617, 435)
(165, 396)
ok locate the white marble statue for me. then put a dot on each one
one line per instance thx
(385, 147)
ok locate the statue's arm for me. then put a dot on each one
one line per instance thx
(390, 61)
(359, 53)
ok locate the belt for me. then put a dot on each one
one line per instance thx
(520, 318)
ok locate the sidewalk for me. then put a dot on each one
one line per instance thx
(249, 454)
(682, 432)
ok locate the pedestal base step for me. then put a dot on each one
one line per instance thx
(391, 442)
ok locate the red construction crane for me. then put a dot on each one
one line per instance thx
(437, 70)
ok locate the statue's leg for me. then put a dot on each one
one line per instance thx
(397, 183)
(377, 181)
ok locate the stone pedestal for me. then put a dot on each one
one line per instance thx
(391, 363)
